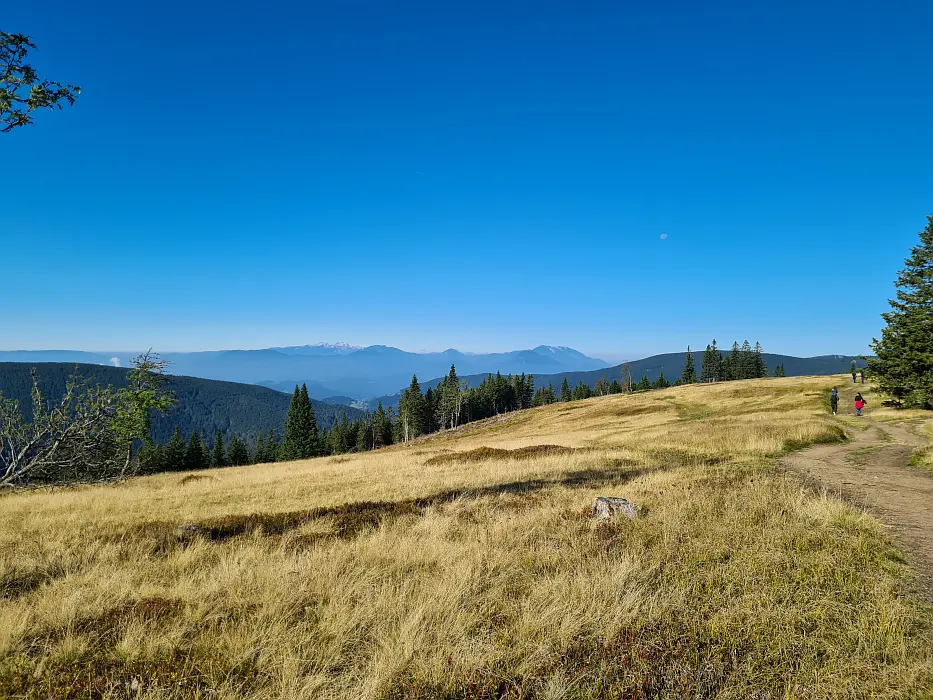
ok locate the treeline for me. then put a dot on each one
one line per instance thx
(450, 404)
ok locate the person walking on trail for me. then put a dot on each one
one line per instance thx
(861, 376)
(853, 375)
(834, 400)
(859, 404)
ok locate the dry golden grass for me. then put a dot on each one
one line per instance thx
(478, 575)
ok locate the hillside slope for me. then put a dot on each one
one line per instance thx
(204, 405)
(465, 566)
(671, 364)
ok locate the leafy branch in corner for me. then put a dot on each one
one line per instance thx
(22, 91)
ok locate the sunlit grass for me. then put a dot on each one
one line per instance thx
(464, 566)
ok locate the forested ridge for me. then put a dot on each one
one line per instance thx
(203, 405)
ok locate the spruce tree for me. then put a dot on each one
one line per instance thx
(195, 453)
(239, 452)
(301, 434)
(661, 382)
(218, 458)
(903, 362)
(779, 370)
(382, 430)
(759, 366)
(412, 410)
(174, 458)
(272, 447)
(644, 384)
(689, 375)
(260, 456)
(710, 370)
(565, 393)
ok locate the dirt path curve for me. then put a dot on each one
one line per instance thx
(871, 470)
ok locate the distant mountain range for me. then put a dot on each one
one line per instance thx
(671, 364)
(334, 369)
(204, 405)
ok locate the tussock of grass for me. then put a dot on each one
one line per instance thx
(476, 578)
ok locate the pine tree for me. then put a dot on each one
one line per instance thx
(615, 387)
(661, 382)
(601, 388)
(174, 458)
(746, 362)
(195, 453)
(565, 393)
(239, 452)
(411, 411)
(273, 449)
(644, 384)
(779, 370)
(581, 391)
(759, 366)
(301, 433)
(903, 362)
(709, 371)
(382, 429)
(260, 456)
(689, 375)
(218, 458)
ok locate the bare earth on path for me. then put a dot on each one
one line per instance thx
(872, 470)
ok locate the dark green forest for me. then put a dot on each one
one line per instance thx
(204, 406)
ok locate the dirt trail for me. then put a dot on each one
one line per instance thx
(871, 470)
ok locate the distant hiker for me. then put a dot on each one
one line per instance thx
(859, 404)
(834, 400)
(861, 375)
(853, 375)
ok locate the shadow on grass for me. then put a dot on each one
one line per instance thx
(348, 520)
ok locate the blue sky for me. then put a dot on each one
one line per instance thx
(478, 175)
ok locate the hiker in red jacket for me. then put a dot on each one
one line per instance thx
(859, 404)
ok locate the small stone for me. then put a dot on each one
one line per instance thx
(606, 507)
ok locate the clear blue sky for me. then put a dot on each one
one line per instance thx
(483, 175)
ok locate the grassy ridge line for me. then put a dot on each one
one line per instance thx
(737, 583)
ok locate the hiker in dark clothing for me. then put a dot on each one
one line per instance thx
(861, 375)
(859, 404)
(834, 400)
(853, 376)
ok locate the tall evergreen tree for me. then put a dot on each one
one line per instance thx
(218, 456)
(779, 370)
(382, 429)
(708, 366)
(759, 365)
(196, 456)
(260, 456)
(301, 433)
(411, 411)
(174, 456)
(565, 393)
(903, 362)
(644, 384)
(746, 362)
(689, 375)
(661, 382)
(272, 446)
(239, 452)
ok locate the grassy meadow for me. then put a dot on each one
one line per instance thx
(464, 566)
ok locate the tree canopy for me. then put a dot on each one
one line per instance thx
(22, 90)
